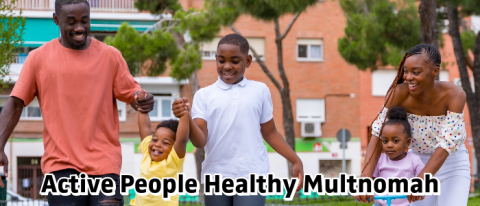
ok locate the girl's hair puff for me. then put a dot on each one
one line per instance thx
(398, 116)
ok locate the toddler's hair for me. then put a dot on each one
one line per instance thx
(171, 124)
(235, 39)
(60, 3)
(398, 115)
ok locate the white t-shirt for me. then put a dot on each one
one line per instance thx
(233, 113)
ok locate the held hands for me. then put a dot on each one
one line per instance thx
(180, 107)
(413, 198)
(364, 198)
(144, 101)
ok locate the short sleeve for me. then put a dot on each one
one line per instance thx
(175, 159)
(267, 106)
(376, 172)
(417, 165)
(378, 123)
(124, 85)
(26, 85)
(453, 132)
(199, 107)
(143, 147)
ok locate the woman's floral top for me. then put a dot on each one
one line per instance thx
(430, 132)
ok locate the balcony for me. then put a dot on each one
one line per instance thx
(95, 5)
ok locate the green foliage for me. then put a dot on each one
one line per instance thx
(467, 7)
(468, 40)
(378, 32)
(152, 50)
(267, 10)
(157, 6)
(187, 62)
(11, 31)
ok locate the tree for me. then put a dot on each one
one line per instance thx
(428, 19)
(378, 32)
(462, 43)
(11, 31)
(271, 11)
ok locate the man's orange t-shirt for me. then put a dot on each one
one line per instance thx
(76, 90)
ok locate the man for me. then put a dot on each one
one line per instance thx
(76, 80)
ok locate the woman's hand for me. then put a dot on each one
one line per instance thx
(364, 198)
(414, 198)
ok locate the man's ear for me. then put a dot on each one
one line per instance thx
(249, 60)
(55, 19)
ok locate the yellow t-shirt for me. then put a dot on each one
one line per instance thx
(165, 168)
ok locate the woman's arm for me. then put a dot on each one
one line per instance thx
(181, 139)
(374, 150)
(276, 141)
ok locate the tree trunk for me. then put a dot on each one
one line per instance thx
(472, 99)
(199, 152)
(428, 20)
(285, 94)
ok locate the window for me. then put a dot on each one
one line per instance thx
(309, 50)
(209, 49)
(122, 111)
(382, 79)
(32, 111)
(311, 110)
(162, 108)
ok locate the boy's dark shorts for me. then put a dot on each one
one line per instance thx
(85, 200)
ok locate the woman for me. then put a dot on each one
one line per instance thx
(438, 129)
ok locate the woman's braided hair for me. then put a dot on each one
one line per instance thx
(433, 56)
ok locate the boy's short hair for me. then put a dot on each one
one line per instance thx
(235, 39)
(60, 3)
(171, 124)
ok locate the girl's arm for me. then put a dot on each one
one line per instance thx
(181, 139)
(276, 141)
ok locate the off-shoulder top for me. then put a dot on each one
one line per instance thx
(430, 132)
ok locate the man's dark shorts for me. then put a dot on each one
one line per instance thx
(85, 200)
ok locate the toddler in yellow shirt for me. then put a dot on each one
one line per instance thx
(163, 152)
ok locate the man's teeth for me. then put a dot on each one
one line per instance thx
(78, 36)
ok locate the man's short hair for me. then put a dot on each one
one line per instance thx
(60, 3)
(235, 39)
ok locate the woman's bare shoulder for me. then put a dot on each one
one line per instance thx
(455, 96)
(401, 94)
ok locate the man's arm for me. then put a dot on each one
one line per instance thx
(8, 120)
(276, 141)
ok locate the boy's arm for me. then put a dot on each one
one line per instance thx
(144, 124)
(198, 127)
(181, 140)
(276, 141)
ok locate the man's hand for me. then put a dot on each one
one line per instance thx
(414, 198)
(144, 101)
(180, 107)
(364, 198)
(4, 163)
(298, 172)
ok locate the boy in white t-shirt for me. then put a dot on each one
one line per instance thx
(229, 119)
